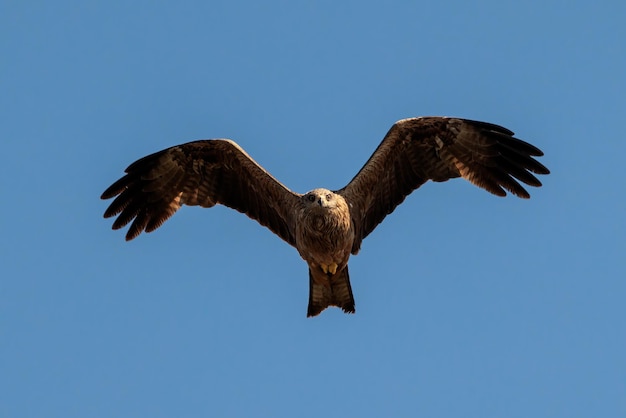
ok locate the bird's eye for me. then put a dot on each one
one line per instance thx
(311, 198)
(329, 196)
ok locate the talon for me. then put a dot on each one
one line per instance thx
(333, 268)
(324, 268)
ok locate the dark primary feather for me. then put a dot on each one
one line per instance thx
(436, 148)
(201, 173)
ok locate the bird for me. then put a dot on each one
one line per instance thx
(326, 227)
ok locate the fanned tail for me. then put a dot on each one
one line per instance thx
(325, 291)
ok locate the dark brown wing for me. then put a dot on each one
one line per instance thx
(436, 148)
(199, 173)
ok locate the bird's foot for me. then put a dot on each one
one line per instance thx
(329, 268)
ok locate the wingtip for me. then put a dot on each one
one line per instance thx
(131, 235)
(107, 194)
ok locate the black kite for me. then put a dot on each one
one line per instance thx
(324, 226)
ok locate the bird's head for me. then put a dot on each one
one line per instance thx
(321, 198)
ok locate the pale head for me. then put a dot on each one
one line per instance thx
(321, 198)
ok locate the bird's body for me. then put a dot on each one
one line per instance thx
(325, 226)
(324, 239)
(324, 231)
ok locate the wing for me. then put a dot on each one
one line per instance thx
(201, 173)
(437, 148)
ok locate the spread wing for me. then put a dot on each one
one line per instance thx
(201, 173)
(437, 148)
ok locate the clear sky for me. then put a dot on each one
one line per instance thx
(468, 305)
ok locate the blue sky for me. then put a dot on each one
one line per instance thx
(468, 305)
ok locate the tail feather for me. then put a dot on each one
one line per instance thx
(325, 291)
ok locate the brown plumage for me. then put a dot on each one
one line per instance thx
(324, 226)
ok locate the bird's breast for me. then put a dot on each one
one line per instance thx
(325, 237)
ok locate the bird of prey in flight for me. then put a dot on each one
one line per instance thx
(325, 226)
